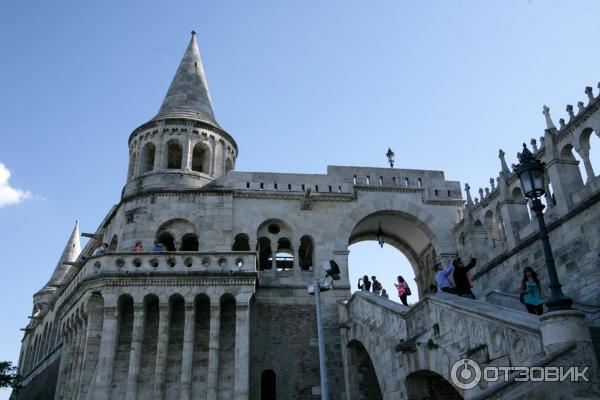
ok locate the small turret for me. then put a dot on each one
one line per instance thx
(69, 255)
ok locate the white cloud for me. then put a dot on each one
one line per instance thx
(8, 194)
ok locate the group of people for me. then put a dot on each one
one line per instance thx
(138, 248)
(530, 290)
(365, 284)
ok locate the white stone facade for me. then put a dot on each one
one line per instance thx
(224, 312)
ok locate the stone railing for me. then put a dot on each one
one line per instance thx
(437, 332)
(148, 263)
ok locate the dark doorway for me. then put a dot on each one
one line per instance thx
(268, 385)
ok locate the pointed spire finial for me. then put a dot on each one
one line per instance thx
(469, 199)
(501, 155)
(570, 112)
(590, 94)
(549, 123)
(580, 107)
(188, 96)
(534, 145)
(492, 183)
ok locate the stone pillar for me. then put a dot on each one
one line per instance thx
(274, 258)
(159, 157)
(72, 367)
(187, 153)
(62, 374)
(161, 351)
(213, 351)
(136, 351)
(101, 388)
(81, 336)
(92, 334)
(560, 327)
(341, 258)
(584, 152)
(242, 355)
(188, 352)
(296, 253)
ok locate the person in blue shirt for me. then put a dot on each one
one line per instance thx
(442, 278)
(158, 248)
(531, 292)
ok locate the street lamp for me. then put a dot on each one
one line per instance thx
(531, 174)
(390, 157)
(331, 273)
(380, 236)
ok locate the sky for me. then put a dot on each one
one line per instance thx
(299, 85)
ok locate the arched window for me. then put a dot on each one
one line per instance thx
(264, 253)
(147, 159)
(228, 165)
(305, 252)
(201, 158)
(189, 242)
(132, 162)
(167, 240)
(268, 385)
(174, 154)
(241, 242)
(114, 243)
(284, 255)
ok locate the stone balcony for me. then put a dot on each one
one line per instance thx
(162, 264)
(171, 262)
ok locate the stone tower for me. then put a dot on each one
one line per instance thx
(201, 292)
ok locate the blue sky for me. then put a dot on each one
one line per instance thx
(299, 85)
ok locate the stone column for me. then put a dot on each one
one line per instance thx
(187, 152)
(188, 352)
(92, 335)
(296, 254)
(101, 388)
(81, 336)
(274, 258)
(242, 356)
(71, 368)
(213, 351)
(584, 152)
(161, 351)
(62, 374)
(136, 351)
(159, 157)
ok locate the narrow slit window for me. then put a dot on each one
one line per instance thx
(406, 182)
(354, 179)
(329, 188)
(247, 185)
(368, 180)
(420, 182)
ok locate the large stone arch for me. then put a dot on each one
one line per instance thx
(408, 227)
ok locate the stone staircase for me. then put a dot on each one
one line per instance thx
(429, 337)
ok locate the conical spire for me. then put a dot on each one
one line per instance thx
(188, 95)
(69, 254)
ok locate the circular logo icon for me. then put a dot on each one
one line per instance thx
(465, 374)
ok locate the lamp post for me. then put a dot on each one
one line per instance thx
(531, 174)
(380, 236)
(332, 273)
(390, 157)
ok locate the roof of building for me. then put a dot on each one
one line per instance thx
(188, 96)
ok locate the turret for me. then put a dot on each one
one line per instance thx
(69, 255)
(183, 146)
